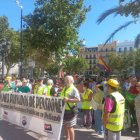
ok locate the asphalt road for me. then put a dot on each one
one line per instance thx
(12, 132)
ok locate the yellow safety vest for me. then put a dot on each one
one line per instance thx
(115, 122)
(85, 95)
(65, 93)
(39, 89)
(48, 90)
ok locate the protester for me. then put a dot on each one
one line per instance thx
(8, 85)
(113, 114)
(40, 88)
(86, 105)
(18, 84)
(137, 107)
(126, 85)
(24, 88)
(71, 97)
(97, 106)
(29, 84)
(50, 91)
(133, 89)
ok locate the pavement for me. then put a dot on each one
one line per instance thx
(82, 133)
(9, 131)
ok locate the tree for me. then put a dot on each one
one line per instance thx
(12, 37)
(52, 69)
(122, 64)
(4, 25)
(12, 56)
(124, 8)
(54, 25)
(74, 65)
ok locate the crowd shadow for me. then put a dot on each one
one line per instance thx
(7, 132)
(81, 134)
(132, 132)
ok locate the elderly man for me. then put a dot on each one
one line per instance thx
(71, 97)
(113, 114)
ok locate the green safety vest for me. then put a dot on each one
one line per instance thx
(39, 89)
(48, 90)
(65, 93)
(115, 122)
(86, 104)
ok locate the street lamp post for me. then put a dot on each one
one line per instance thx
(21, 48)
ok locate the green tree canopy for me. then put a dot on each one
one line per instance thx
(54, 24)
(123, 64)
(12, 40)
(74, 65)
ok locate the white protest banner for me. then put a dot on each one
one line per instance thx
(40, 114)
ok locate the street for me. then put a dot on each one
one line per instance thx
(12, 132)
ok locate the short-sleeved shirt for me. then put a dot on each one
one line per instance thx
(24, 89)
(109, 104)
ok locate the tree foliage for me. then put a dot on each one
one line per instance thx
(12, 56)
(52, 69)
(3, 26)
(12, 38)
(74, 65)
(54, 24)
(123, 64)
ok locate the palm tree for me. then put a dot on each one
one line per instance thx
(125, 8)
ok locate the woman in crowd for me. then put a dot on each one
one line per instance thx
(71, 97)
(86, 105)
(137, 107)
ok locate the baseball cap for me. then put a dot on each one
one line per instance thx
(113, 83)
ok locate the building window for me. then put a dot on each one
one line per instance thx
(101, 50)
(131, 49)
(90, 56)
(86, 56)
(106, 50)
(90, 67)
(120, 49)
(125, 49)
(90, 61)
(112, 49)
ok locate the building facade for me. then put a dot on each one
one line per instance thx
(125, 46)
(91, 54)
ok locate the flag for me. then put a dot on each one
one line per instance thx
(103, 65)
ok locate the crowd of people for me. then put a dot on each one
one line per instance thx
(103, 101)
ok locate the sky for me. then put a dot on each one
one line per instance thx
(90, 31)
